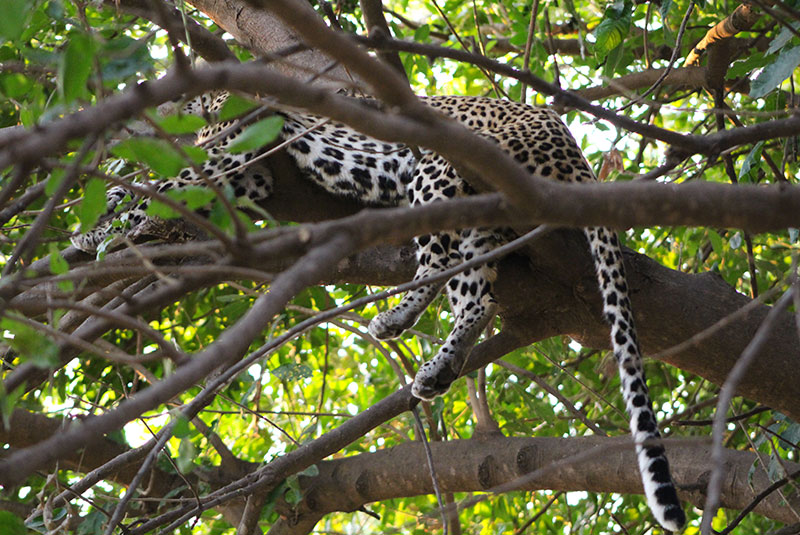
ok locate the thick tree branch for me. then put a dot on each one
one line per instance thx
(205, 43)
(372, 11)
(559, 289)
(615, 204)
(562, 270)
(690, 77)
(743, 18)
(259, 31)
(480, 465)
(683, 143)
(325, 244)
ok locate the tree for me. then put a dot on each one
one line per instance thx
(228, 384)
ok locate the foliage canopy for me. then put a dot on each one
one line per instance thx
(59, 57)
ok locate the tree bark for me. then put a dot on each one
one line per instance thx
(590, 464)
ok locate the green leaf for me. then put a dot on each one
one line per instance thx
(124, 56)
(186, 455)
(609, 35)
(8, 402)
(257, 135)
(164, 211)
(749, 64)
(197, 154)
(157, 154)
(30, 344)
(792, 434)
(220, 217)
(776, 72)
(775, 468)
(53, 182)
(613, 59)
(16, 85)
(76, 66)
(272, 498)
(614, 27)
(193, 197)
(92, 524)
(93, 204)
(716, 242)
(55, 10)
(181, 123)
(234, 107)
(58, 266)
(782, 38)
(37, 522)
(181, 428)
(311, 471)
(15, 16)
(11, 524)
(294, 494)
(751, 163)
(422, 34)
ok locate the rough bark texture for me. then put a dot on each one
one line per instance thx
(206, 44)
(490, 464)
(487, 465)
(555, 286)
(742, 18)
(262, 33)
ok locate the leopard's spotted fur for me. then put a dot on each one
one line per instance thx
(348, 163)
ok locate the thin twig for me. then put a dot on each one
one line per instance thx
(675, 53)
(526, 56)
(554, 392)
(726, 394)
(429, 456)
(539, 513)
(738, 417)
(160, 439)
(758, 499)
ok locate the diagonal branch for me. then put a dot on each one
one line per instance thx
(741, 19)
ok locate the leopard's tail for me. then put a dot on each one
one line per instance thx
(653, 466)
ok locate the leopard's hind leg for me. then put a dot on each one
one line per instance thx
(434, 179)
(435, 253)
(470, 292)
(473, 306)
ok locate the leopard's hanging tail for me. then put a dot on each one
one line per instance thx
(658, 485)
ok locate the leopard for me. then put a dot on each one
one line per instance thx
(350, 164)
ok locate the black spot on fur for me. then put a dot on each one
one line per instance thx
(301, 146)
(333, 153)
(645, 422)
